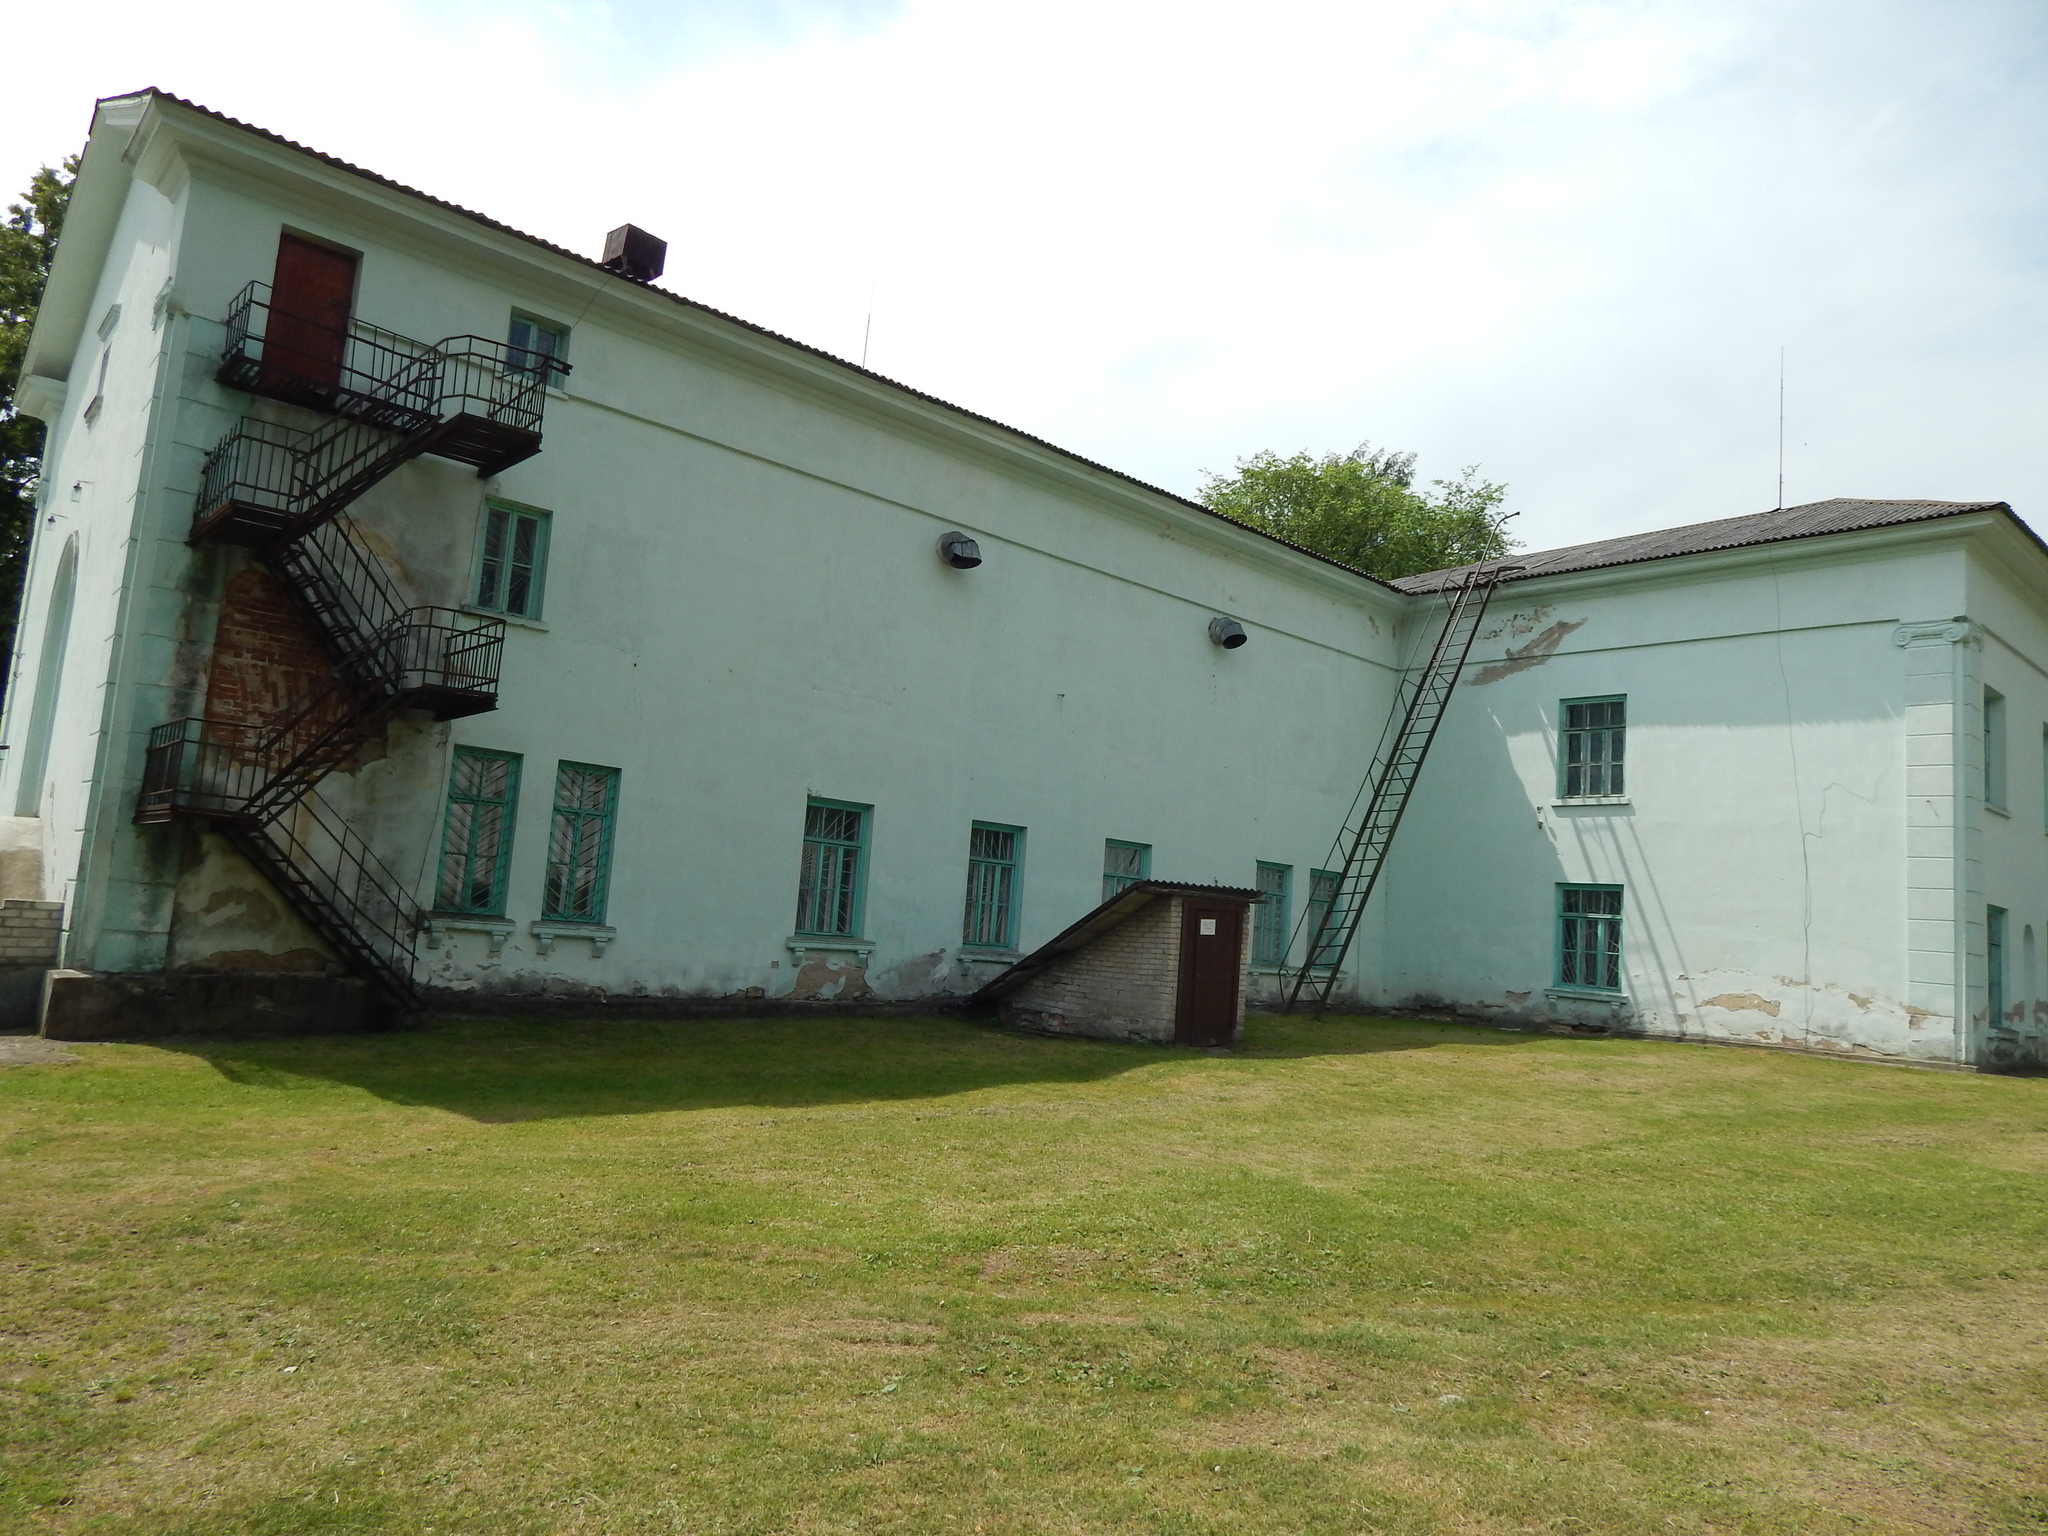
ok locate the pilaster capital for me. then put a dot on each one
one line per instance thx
(1956, 631)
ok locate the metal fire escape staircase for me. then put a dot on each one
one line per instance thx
(1360, 851)
(283, 492)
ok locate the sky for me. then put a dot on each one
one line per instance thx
(1566, 242)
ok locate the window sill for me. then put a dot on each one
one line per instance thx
(1570, 800)
(441, 924)
(1998, 810)
(992, 956)
(546, 931)
(509, 618)
(831, 943)
(1585, 995)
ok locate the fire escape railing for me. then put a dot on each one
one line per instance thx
(284, 492)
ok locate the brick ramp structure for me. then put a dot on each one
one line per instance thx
(1118, 973)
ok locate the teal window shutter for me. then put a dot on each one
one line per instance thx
(1123, 866)
(993, 855)
(1589, 936)
(829, 887)
(580, 843)
(1322, 895)
(1269, 918)
(476, 839)
(1595, 743)
(512, 554)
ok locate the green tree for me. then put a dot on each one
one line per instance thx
(1363, 508)
(28, 240)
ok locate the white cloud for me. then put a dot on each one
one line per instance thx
(1563, 240)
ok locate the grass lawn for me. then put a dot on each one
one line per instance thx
(1367, 1276)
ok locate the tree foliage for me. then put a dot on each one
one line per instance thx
(1363, 508)
(28, 241)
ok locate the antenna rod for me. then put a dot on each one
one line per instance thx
(869, 329)
(1781, 429)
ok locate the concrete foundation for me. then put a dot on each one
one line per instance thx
(83, 1005)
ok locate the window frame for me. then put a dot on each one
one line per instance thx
(1114, 885)
(1269, 918)
(551, 910)
(1619, 951)
(1996, 992)
(501, 877)
(1995, 783)
(857, 905)
(1006, 940)
(1611, 762)
(556, 362)
(1323, 960)
(514, 511)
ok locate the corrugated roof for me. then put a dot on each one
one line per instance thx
(747, 325)
(1815, 518)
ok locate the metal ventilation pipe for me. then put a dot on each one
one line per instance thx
(959, 551)
(1227, 633)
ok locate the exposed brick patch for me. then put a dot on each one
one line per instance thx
(265, 655)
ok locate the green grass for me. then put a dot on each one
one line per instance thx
(804, 1277)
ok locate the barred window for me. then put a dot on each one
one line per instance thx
(992, 859)
(1269, 920)
(829, 886)
(476, 840)
(580, 843)
(1589, 936)
(1595, 739)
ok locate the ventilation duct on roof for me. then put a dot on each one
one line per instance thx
(632, 252)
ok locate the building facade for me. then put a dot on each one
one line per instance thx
(409, 592)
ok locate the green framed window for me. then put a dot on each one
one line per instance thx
(1269, 918)
(1994, 748)
(537, 346)
(1322, 895)
(1594, 745)
(580, 843)
(1589, 936)
(511, 560)
(1994, 964)
(476, 837)
(1123, 866)
(830, 887)
(995, 855)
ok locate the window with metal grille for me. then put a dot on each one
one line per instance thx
(1322, 896)
(1123, 866)
(536, 345)
(476, 840)
(1595, 738)
(829, 888)
(993, 854)
(580, 843)
(1589, 936)
(1269, 919)
(511, 560)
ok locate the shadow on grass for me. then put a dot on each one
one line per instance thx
(522, 1069)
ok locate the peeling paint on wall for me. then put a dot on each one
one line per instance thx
(1532, 653)
(226, 917)
(1738, 1002)
(820, 978)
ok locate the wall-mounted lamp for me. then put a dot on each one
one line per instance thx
(1227, 633)
(959, 551)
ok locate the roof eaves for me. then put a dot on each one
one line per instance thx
(760, 330)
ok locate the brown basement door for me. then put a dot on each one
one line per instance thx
(1211, 955)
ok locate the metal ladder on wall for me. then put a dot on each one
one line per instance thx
(1363, 843)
